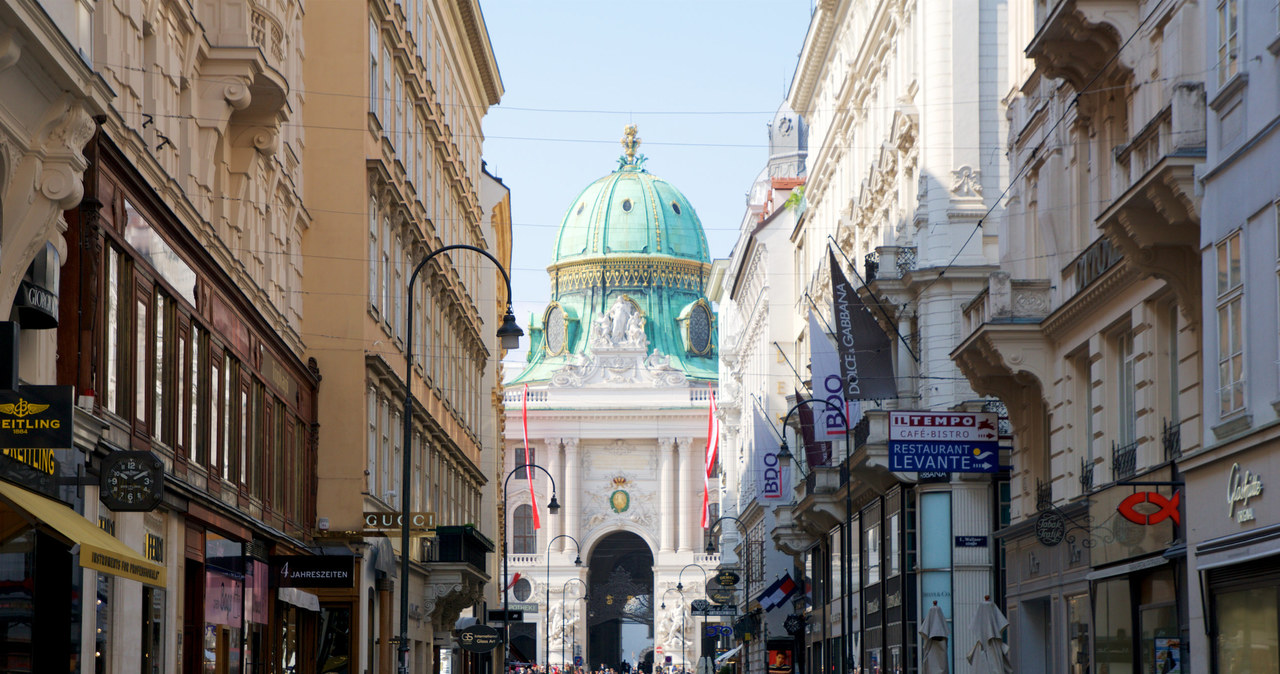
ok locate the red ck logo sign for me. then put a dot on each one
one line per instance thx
(1167, 508)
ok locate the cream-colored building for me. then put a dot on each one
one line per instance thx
(1091, 331)
(400, 90)
(902, 99)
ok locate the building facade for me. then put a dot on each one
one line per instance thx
(903, 193)
(1091, 331)
(754, 291)
(1231, 520)
(614, 402)
(403, 87)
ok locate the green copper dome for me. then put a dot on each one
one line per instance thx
(630, 263)
(631, 211)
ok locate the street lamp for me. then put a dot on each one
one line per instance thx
(509, 334)
(784, 459)
(680, 586)
(577, 561)
(684, 627)
(564, 591)
(746, 558)
(553, 507)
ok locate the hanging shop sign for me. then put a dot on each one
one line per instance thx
(720, 596)
(939, 442)
(727, 578)
(36, 417)
(313, 570)
(35, 306)
(479, 639)
(1159, 508)
(1242, 486)
(1051, 528)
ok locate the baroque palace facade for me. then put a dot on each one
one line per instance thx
(155, 166)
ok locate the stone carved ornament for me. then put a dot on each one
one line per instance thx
(640, 511)
(620, 355)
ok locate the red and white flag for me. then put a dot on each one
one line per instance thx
(713, 444)
(524, 421)
(515, 577)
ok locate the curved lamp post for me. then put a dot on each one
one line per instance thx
(577, 561)
(680, 586)
(553, 507)
(784, 459)
(564, 591)
(746, 558)
(684, 638)
(509, 334)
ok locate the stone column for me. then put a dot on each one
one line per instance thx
(572, 489)
(667, 495)
(689, 510)
(550, 460)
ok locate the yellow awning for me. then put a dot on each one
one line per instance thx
(99, 550)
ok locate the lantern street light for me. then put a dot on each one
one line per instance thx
(553, 507)
(564, 591)
(509, 334)
(784, 459)
(577, 561)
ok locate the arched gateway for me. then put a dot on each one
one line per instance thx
(615, 399)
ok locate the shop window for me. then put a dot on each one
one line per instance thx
(835, 545)
(1248, 631)
(871, 554)
(1113, 646)
(1078, 634)
(153, 629)
(334, 652)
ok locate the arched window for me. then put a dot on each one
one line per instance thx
(522, 532)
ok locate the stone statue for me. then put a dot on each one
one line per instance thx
(635, 330)
(621, 325)
(556, 626)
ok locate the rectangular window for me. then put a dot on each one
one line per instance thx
(895, 546)
(1228, 40)
(182, 367)
(1126, 389)
(388, 67)
(398, 139)
(398, 289)
(195, 444)
(835, 545)
(371, 447)
(1248, 625)
(247, 433)
(384, 454)
(871, 554)
(386, 271)
(162, 357)
(230, 414)
(1230, 286)
(141, 382)
(114, 307)
(522, 459)
(373, 254)
(216, 409)
(1113, 618)
(374, 45)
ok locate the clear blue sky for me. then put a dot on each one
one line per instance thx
(701, 79)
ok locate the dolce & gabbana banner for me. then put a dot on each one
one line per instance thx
(866, 352)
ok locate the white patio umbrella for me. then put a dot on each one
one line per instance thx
(934, 632)
(989, 654)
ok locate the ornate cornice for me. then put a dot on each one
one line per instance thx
(639, 271)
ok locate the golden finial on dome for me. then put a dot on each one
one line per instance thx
(630, 142)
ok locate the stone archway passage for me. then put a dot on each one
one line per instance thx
(620, 586)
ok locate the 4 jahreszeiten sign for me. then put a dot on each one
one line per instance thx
(952, 442)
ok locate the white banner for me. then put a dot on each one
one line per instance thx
(824, 366)
(770, 481)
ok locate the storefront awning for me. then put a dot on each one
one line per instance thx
(299, 598)
(99, 550)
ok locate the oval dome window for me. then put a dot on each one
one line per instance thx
(626, 205)
(675, 207)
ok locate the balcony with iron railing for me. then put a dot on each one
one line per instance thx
(1124, 461)
(1086, 475)
(1171, 440)
(1044, 494)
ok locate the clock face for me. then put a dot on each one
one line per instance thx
(131, 481)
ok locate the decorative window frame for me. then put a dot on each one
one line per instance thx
(685, 319)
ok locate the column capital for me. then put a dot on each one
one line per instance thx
(570, 443)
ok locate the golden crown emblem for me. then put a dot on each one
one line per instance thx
(619, 481)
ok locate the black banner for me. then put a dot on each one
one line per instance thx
(36, 417)
(313, 571)
(866, 352)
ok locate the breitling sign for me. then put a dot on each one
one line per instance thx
(36, 417)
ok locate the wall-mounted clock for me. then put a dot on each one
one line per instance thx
(131, 481)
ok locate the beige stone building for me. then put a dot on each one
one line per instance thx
(395, 97)
(1091, 331)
